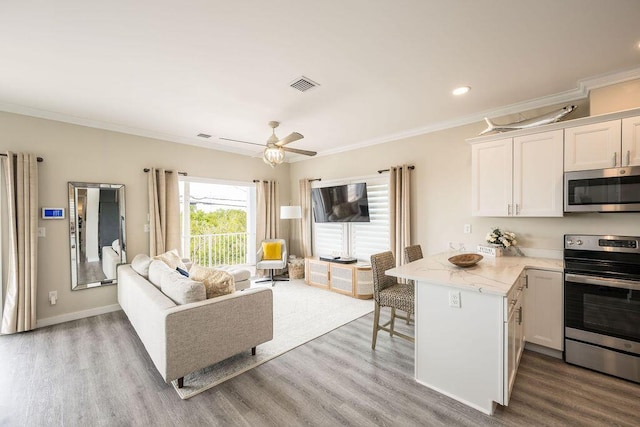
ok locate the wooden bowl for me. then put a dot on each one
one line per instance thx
(465, 260)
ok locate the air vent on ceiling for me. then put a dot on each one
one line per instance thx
(204, 135)
(303, 84)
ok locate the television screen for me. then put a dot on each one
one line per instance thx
(341, 203)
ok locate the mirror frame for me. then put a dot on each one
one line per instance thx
(73, 236)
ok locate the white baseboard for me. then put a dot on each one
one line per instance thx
(54, 320)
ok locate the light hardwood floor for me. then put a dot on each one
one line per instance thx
(95, 372)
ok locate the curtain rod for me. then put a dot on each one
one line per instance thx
(387, 170)
(315, 179)
(39, 159)
(179, 173)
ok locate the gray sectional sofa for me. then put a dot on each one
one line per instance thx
(183, 338)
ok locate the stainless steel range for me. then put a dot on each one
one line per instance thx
(602, 303)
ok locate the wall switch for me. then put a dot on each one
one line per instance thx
(42, 232)
(467, 229)
(454, 299)
(53, 297)
(147, 228)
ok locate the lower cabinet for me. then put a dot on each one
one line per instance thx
(514, 335)
(544, 309)
(354, 280)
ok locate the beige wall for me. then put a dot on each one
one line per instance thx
(77, 153)
(442, 190)
(621, 96)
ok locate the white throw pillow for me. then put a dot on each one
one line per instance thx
(182, 290)
(140, 264)
(157, 268)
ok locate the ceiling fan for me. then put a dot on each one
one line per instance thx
(273, 154)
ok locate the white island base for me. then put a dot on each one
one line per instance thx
(469, 325)
(459, 351)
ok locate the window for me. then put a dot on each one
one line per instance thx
(218, 221)
(359, 240)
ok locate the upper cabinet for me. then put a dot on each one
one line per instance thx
(609, 144)
(631, 141)
(519, 176)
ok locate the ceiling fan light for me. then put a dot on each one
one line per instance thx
(273, 156)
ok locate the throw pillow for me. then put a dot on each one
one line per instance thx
(140, 264)
(216, 282)
(116, 246)
(180, 289)
(157, 269)
(172, 259)
(271, 251)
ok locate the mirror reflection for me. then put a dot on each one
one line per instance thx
(96, 233)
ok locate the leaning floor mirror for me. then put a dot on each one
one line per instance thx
(96, 233)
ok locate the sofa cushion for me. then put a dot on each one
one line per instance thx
(180, 289)
(216, 282)
(140, 264)
(239, 273)
(172, 259)
(157, 269)
(271, 250)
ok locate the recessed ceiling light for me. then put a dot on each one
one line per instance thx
(461, 90)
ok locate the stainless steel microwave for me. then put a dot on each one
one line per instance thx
(603, 190)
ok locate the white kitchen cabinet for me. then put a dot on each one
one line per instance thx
(514, 336)
(631, 141)
(543, 309)
(519, 176)
(608, 144)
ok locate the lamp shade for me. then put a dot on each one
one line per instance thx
(290, 212)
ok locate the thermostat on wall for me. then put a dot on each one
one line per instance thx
(52, 213)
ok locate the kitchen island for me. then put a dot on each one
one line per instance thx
(469, 325)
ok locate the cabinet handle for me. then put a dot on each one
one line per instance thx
(517, 209)
(520, 315)
(615, 159)
(628, 157)
(526, 282)
(508, 209)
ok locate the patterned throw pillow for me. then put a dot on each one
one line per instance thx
(216, 282)
(271, 251)
(172, 259)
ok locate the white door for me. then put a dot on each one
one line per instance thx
(491, 178)
(543, 309)
(631, 141)
(537, 174)
(594, 146)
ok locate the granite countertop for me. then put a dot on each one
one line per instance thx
(490, 275)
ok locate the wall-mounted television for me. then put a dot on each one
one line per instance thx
(341, 203)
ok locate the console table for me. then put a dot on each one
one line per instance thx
(354, 280)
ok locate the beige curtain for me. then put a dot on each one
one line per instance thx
(306, 221)
(400, 210)
(164, 212)
(267, 222)
(21, 191)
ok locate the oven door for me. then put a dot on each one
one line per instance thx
(603, 311)
(603, 190)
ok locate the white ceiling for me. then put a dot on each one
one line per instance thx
(173, 69)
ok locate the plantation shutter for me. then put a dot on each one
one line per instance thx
(373, 237)
(328, 239)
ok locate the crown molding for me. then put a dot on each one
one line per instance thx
(581, 91)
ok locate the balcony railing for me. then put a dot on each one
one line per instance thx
(216, 249)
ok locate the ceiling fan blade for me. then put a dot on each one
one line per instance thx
(297, 151)
(289, 138)
(244, 142)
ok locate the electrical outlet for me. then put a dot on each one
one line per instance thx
(147, 228)
(42, 232)
(454, 299)
(53, 297)
(467, 229)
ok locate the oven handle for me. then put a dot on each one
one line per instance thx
(601, 281)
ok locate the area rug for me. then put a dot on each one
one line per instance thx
(301, 313)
